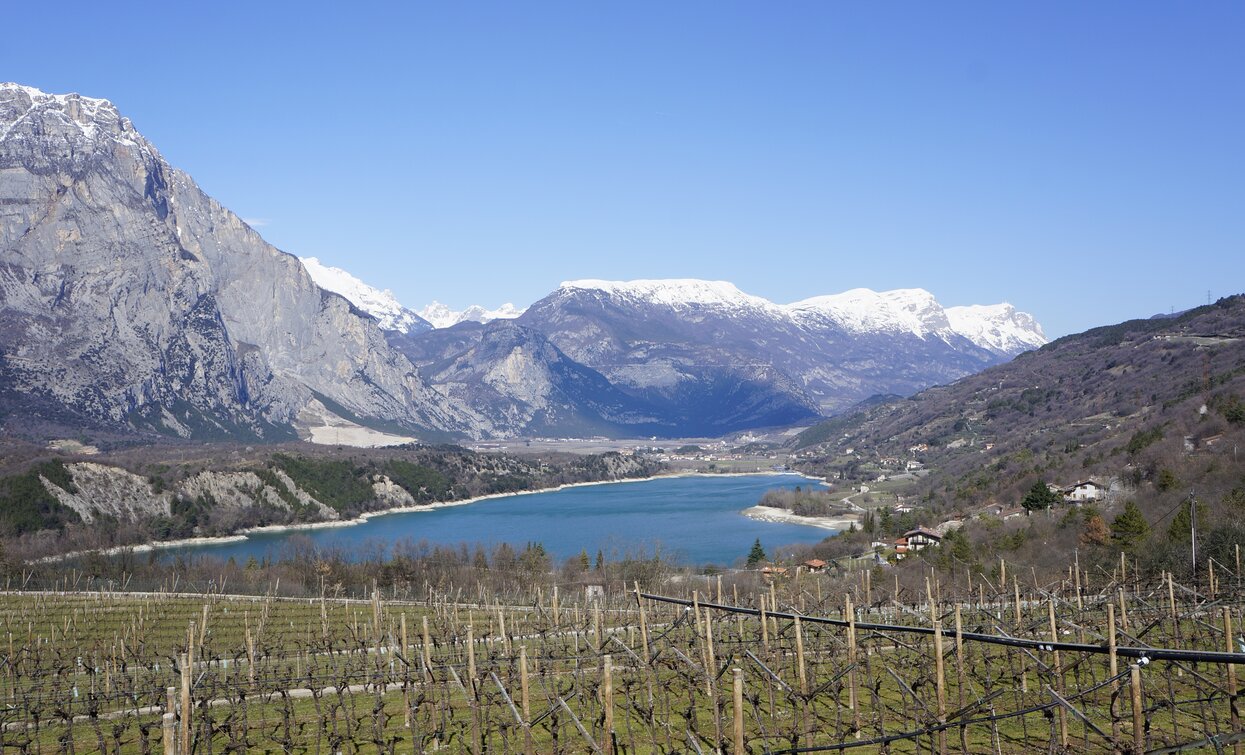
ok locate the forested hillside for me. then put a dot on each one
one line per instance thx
(1153, 410)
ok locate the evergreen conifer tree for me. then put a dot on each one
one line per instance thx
(1130, 527)
(757, 554)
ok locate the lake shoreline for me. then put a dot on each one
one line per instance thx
(242, 535)
(771, 514)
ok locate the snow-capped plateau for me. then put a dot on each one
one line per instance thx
(998, 328)
(382, 305)
(441, 316)
(677, 292)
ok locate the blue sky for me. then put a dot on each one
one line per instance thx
(1084, 161)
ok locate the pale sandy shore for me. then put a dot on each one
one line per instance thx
(771, 514)
(242, 534)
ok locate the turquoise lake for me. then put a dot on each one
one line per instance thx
(693, 520)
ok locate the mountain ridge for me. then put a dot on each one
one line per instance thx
(130, 297)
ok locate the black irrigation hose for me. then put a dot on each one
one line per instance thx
(1143, 653)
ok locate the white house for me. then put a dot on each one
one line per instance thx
(1087, 490)
(921, 538)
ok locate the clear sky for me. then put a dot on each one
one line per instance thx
(1084, 161)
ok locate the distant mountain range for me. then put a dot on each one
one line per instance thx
(697, 357)
(132, 303)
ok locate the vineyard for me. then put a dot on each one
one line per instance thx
(807, 664)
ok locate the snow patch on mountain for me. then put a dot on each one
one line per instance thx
(676, 293)
(1001, 328)
(93, 117)
(441, 316)
(382, 305)
(861, 310)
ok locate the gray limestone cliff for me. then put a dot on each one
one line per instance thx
(130, 299)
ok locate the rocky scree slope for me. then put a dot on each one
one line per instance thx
(130, 299)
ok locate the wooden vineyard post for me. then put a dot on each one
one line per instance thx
(524, 694)
(186, 707)
(1139, 731)
(554, 606)
(406, 676)
(868, 589)
(849, 613)
(719, 589)
(1171, 596)
(700, 628)
(1016, 589)
(737, 710)
(643, 625)
(1076, 571)
(190, 644)
(1231, 673)
(711, 661)
(940, 679)
(1123, 611)
(427, 650)
(1058, 669)
(525, 702)
(501, 629)
(1113, 660)
(959, 658)
(471, 659)
(607, 701)
(250, 659)
(799, 657)
(169, 722)
(596, 629)
(764, 626)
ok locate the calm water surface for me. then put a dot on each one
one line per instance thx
(691, 519)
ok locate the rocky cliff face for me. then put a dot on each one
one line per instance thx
(130, 298)
(102, 490)
(521, 381)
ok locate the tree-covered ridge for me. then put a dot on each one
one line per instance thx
(207, 491)
(26, 505)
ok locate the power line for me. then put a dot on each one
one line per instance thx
(1144, 654)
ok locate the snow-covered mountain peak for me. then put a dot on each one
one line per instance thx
(674, 292)
(998, 327)
(862, 310)
(382, 305)
(441, 316)
(91, 117)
